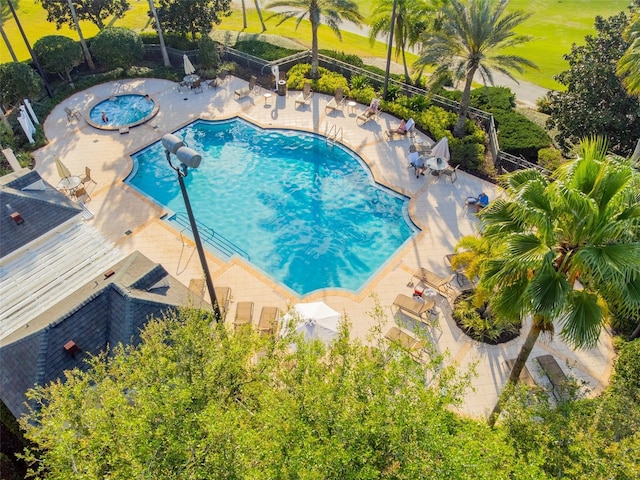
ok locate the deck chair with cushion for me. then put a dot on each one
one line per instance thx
(435, 281)
(71, 114)
(337, 102)
(248, 90)
(268, 323)
(305, 95)
(372, 111)
(244, 314)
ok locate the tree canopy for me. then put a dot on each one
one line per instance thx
(194, 16)
(117, 47)
(17, 81)
(58, 54)
(595, 101)
(194, 401)
(94, 11)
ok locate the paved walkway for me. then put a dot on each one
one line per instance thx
(437, 207)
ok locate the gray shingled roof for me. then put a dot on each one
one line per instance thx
(41, 210)
(104, 311)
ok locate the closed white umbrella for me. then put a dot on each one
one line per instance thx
(188, 66)
(441, 149)
(26, 124)
(27, 103)
(63, 171)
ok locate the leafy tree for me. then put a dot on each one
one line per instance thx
(208, 56)
(471, 36)
(58, 54)
(583, 227)
(117, 47)
(595, 101)
(94, 11)
(332, 12)
(194, 16)
(411, 19)
(17, 81)
(193, 401)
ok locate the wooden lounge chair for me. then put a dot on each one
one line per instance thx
(433, 280)
(87, 177)
(414, 307)
(404, 339)
(248, 90)
(71, 114)
(525, 375)
(223, 296)
(269, 318)
(244, 314)
(557, 377)
(305, 95)
(337, 102)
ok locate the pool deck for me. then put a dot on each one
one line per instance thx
(437, 207)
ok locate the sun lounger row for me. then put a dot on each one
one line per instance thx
(268, 323)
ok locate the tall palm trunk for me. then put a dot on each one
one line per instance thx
(264, 27)
(407, 77)
(8, 43)
(459, 129)
(83, 43)
(244, 16)
(514, 376)
(163, 48)
(314, 49)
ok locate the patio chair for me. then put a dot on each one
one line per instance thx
(305, 95)
(181, 86)
(87, 177)
(269, 318)
(223, 296)
(244, 314)
(248, 90)
(372, 111)
(197, 85)
(337, 102)
(435, 281)
(71, 114)
(80, 195)
(452, 173)
(413, 307)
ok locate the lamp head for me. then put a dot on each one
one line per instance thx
(189, 157)
(171, 143)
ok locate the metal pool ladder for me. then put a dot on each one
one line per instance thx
(335, 134)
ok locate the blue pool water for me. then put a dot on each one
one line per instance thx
(122, 110)
(307, 214)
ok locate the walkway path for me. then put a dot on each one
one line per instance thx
(134, 222)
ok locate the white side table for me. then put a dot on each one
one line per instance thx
(351, 107)
(267, 98)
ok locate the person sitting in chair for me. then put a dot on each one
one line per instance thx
(372, 109)
(483, 201)
(417, 162)
(402, 128)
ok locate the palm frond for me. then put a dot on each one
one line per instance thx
(548, 290)
(582, 319)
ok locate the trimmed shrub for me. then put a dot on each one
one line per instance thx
(264, 50)
(550, 158)
(117, 47)
(18, 80)
(354, 60)
(519, 136)
(208, 56)
(491, 99)
(58, 54)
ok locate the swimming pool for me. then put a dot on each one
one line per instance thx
(306, 213)
(122, 111)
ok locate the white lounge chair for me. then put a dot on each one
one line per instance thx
(408, 130)
(372, 111)
(305, 96)
(337, 101)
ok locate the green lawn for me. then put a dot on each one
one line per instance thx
(554, 27)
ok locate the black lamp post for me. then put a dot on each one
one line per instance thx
(189, 158)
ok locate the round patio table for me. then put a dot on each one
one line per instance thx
(69, 183)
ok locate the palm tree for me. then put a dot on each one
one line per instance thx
(333, 12)
(571, 247)
(470, 39)
(244, 15)
(83, 42)
(411, 18)
(629, 67)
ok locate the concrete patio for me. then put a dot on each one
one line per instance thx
(134, 222)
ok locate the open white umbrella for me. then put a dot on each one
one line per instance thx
(188, 66)
(63, 171)
(441, 149)
(31, 112)
(315, 320)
